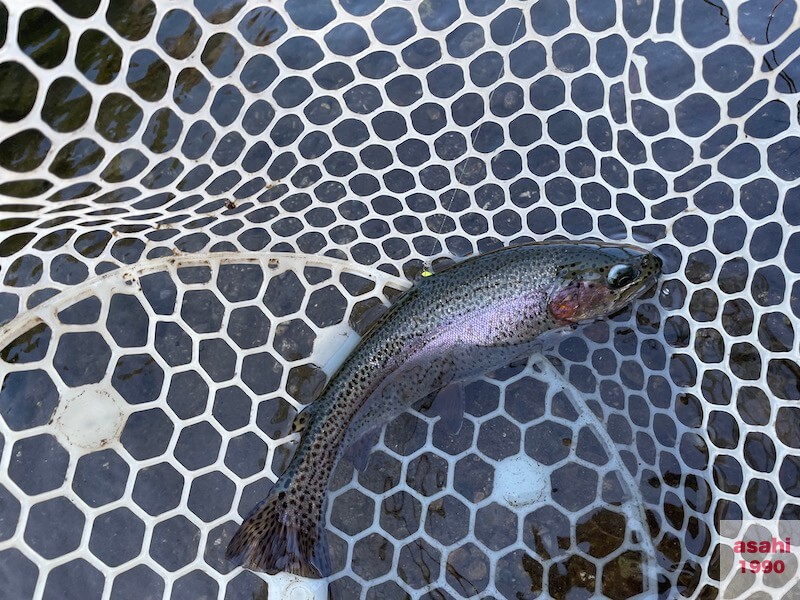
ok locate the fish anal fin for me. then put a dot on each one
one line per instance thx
(449, 405)
(358, 452)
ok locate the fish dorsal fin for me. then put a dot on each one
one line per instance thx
(306, 382)
(449, 405)
(316, 386)
(307, 388)
(366, 314)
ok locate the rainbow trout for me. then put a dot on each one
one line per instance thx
(473, 317)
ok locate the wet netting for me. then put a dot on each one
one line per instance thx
(199, 201)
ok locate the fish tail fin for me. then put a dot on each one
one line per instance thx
(271, 541)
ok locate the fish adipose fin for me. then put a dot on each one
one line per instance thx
(271, 541)
(300, 421)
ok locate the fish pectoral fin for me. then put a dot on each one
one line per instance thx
(449, 405)
(358, 452)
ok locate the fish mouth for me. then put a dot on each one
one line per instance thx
(653, 266)
(649, 266)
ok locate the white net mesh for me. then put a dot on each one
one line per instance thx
(199, 199)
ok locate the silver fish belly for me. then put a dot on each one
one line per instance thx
(471, 318)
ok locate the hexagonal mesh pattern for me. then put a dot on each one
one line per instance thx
(200, 201)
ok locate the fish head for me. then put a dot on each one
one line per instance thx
(595, 280)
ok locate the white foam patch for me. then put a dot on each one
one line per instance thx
(91, 418)
(285, 586)
(521, 481)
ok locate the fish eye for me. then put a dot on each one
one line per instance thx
(621, 275)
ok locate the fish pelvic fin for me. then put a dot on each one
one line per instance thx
(270, 540)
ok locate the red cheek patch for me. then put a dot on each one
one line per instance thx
(564, 304)
(578, 302)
